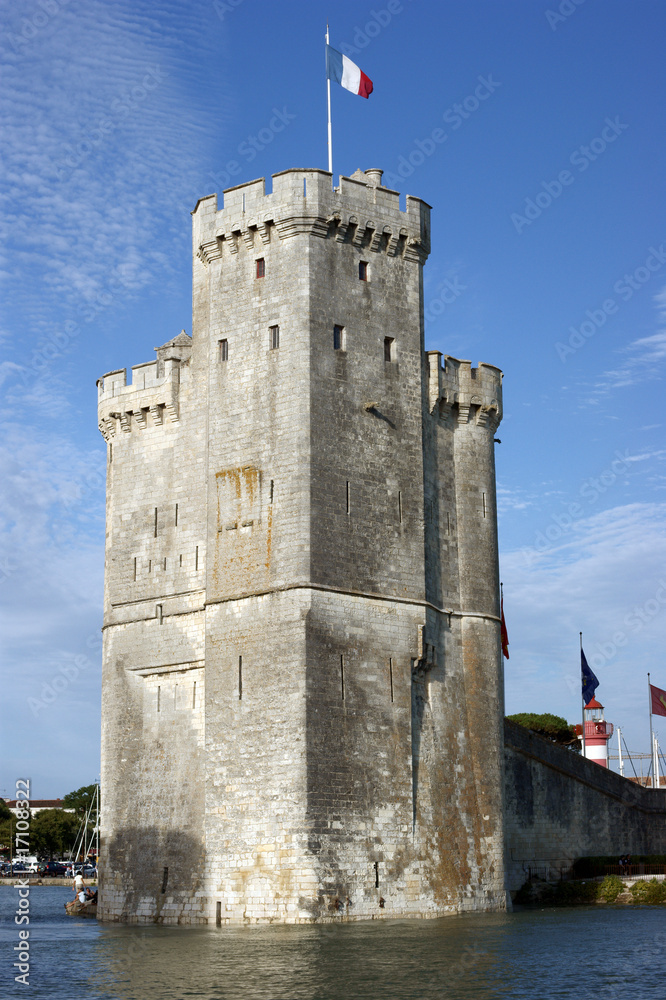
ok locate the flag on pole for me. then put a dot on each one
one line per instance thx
(504, 633)
(658, 699)
(343, 71)
(588, 679)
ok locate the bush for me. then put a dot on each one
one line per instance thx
(558, 893)
(610, 888)
(649, 892)
(551, 727)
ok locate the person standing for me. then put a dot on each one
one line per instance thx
(78, 885)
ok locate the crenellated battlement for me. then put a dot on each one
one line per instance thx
(150, 397)
(360, 211)
(476, 393)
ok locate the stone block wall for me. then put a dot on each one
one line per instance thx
(560, 806)
(302, 673)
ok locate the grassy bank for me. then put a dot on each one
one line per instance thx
(610, 889)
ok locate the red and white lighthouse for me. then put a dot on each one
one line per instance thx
(597, 733)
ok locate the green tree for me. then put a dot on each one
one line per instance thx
(80, 800)
(53, 831)
(6, 828)
(552, 727)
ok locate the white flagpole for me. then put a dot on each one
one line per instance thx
(619, 750)
(654, 784)
(581, 694)
(330, 132)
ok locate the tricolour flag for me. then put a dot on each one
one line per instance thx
(345, 72)
(658, 699)
(504, 633)
(589, 681)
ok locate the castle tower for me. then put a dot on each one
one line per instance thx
(302, 668)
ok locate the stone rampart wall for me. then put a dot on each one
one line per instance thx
(560, 807)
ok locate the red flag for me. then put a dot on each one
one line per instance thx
(505, 634)
(658, 698)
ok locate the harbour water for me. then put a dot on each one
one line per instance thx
(605, 953)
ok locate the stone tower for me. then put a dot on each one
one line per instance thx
(302, 688)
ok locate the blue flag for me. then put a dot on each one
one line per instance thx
(589, 681)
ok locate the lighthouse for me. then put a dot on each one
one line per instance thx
(597, 733)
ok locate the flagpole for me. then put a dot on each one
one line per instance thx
(651, 736)
(581, 695)
(656, 761)
(330, 132)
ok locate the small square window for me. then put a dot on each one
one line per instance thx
(223, 350)
(261, 267)
(274, 332)
(338, 338)
(362, 270)
(389, 349)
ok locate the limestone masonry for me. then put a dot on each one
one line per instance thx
(302, 681)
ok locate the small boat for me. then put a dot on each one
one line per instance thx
(77, 909)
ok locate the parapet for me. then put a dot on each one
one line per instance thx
(359, 211)
(475, 393)
(153, 391)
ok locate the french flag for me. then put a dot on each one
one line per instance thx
(345, 72)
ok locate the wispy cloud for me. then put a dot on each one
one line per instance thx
(642, 359)
(102, 153)
(606, 578)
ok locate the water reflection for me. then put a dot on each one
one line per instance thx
(603, 952)
(388, 959)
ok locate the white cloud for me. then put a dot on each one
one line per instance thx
(604, 576)
(643, 360)
(102, 153)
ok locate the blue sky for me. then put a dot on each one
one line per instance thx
(534, 129)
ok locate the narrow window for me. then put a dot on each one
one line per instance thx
(484, 503)
(389, 349)
(348, 498)
(175, 521)
(110, 454)
(261, 268)
(363, 270)
(155, 525)
(223, 349)
(135, 567)
(271, 496)
(342, 677)
(391, 676)
(196, 558)
(218, 914)
(240, 678)
(305, 187)
(159, 691)
(448, 523)
(181, 559)
(376, 874)
(338, 338)
(274, 332)
(194, 695)
(400, 506)
(165, 559)
(150, 565)
(165, 879)
(158, 613)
